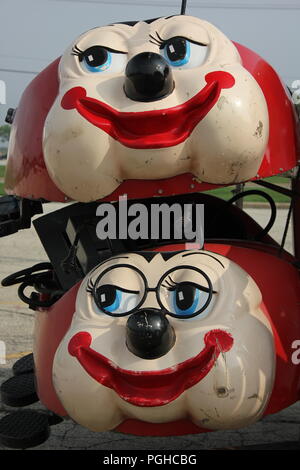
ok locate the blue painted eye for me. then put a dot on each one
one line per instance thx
(177, 51)
(115, 300)
(96, 59)
(186, 299)
(180, 52)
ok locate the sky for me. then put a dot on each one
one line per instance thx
(34, 32)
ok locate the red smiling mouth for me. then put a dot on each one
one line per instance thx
(150, 388)
(150, 129)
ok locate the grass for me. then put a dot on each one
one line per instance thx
(2, 171)
(226, 193)
(277, 179)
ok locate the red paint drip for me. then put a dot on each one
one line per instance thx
(219, 339)
(150, 129)
(150, 388)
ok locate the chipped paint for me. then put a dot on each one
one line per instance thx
(259, 130)
(222, 101)
(256, 396)
(222, 392)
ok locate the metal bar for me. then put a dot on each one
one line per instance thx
(279, 189)
(296, 214)
(239, 188)
(288, 219)
(183, 7)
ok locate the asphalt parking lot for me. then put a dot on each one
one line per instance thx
(22, 250)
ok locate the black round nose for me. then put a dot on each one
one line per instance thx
(149, 334)
(148, 77)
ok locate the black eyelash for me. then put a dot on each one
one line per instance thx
(159, 37)
(171, 285)
(90, 286)
(77, 51)
(154, 41)
(157, 41)
(160, 42)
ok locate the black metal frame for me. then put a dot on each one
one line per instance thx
(16, 214)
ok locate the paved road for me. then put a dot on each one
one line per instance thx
(24, 249)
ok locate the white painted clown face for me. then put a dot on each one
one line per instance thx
(166, 336)
(152, 100)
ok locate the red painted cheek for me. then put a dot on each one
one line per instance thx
(224, 79)
(81, 339)
(221, 340)
(70, 98)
